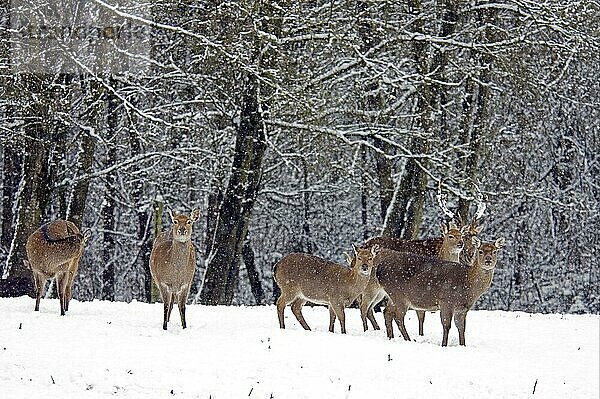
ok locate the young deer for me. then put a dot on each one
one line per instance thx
(430, 284)
(54, 251)
(304, 277)
(448, 247)
(173, 262)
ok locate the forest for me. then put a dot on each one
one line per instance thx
(302, 126)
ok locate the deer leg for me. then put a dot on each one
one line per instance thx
(40, 282)
(171, 302)
(297, 311)
(339, 312)
(182, 302)
(61, 285)
(364, 312)
(73, 266)
(167, 297)
(460, 319)
(400, 312)
(372, 319)
(446, 316)
(166, 313)
(331, 318)
(282, 302)
(421, 316)
(388, 316)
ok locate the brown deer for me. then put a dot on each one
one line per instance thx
(304, 277)
(431, 284)
(54, 251)
(173, 263)
(428, 247)
(448, 247)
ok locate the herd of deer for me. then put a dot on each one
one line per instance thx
(447, 274)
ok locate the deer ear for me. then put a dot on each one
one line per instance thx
(355, 250)
(70, 231)
(479, 229)
(195, 214)
(375, 249)
(476, 242)
(464, 230)
(172, 215)
(348, 258)
(500, 242)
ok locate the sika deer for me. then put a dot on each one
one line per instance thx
(173, 262)
(430, 284)
(304, 277)
(448, 247)
(54, 251)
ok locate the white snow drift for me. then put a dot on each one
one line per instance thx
(103, 349)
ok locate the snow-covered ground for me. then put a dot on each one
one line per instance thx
(103, 349)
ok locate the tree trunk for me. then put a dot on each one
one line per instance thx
(475, 109)
(406, 212)
(253, 275)
(222, 269)
(108, 240)
(108, 206)
(35, 185)
(11, 173)
(87, 148)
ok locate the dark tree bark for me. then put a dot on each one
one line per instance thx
(87, 148)
(222, 270)
(253, 275)
(215, 198)
(11, 173)
(223, 263)
(108, 240)
(383, 167)
(143, 228)
(36, 182)
(307, 245)
(404, 218)
(475, 112)
(108, 207)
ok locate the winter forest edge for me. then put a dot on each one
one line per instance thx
(305, 126)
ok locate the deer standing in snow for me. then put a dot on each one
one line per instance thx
(173, 263)
(448, 247)
(54, 251)
(430, 284)
(304, 277)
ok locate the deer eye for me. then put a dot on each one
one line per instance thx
(175, 221)
(481, 251)
(189, 222)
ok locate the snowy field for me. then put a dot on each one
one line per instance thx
(103, 349)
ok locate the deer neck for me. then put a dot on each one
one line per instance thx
(480, 279)
(447, 254)
(179, 249)
(358, 279)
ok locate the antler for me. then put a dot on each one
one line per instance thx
(480, 204)
(442, 199)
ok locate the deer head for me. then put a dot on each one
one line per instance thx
(182, 224)
(486, 252)
(363, 259)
